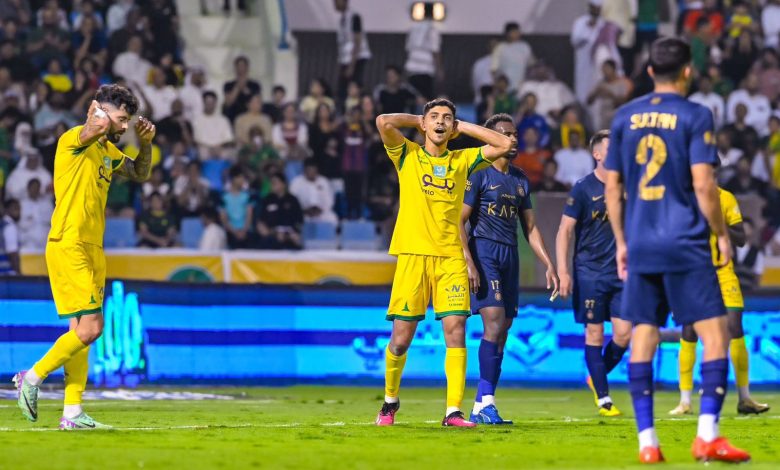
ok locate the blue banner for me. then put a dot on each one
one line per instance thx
(158, 333)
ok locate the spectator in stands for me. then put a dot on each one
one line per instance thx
(319, 94)
(22, 70)
(574, 162)
(354, 162)
(237, 211)
(117, 15)
(29, 167)
(291, 139)
(191, 190)
(89, 41)
(481, 73)
(511, 56)
(49, 115)
(163, 20)
(623, 15)
(156, 226)
(743, 135)
(214, 237)
(239, 91)
(159, 95)
(531, 157)
(707, 97)
(258, 150)
(211, 130)
(50, 39)
(85, 85)
(721, 84)
(280, 218)
(354, 92)
(353, 50)
(323, 129)
(768, 73)
(594, 40)
(707, 9)
(191, 94)
(741, 20)
(549, 183)
(383, 199)
(729, 156)
(35, 221)
(395, 95)
(552, 94)
(570, 122)
(9, 89)
(253, 117)
(743, 182)
(314, 193)
(528, 117)
(273, 109)
(86, 9)
(176, 158)
(770, 23)
(175, 128)
(701, 40)
(157, 184)
(502, 100)
(739, 55)
(423, 65)
(58, 81)
(10, 264)
(609, 94)
(131, 65)
(16, 10)
(749, 258)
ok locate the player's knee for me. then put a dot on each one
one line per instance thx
(88, 333)
(715, 345)
(398, 349)
(689, 334)
(621, 338)
(493, 331)
(594, 334)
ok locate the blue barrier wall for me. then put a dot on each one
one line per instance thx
(159, 333)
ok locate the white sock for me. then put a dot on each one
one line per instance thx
(648, 438)
(450, 410)
(71, 411)
(391, 399)
(32, 378)
(744, 392)
(604, 401)
(488, 400)
(685, 396)
(708, 427)
(477, 407)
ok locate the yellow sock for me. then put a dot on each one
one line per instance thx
(64, 348)
(739, 358)
(76, 371)
(687, 360)
(455, 369)
(394, 367)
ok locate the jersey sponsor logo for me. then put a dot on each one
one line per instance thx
(506, 210)
(439, 171)
(447, 184)
(104, 172)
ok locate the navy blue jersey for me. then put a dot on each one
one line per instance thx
(594, 243)
(498, 200)
(654, 141)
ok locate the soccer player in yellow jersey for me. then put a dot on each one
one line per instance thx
(732, 298)
(84, 164)
(426, 241)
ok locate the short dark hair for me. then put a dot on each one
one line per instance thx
(439, 102)
(611, 63)
(210, 213)
(118, 96)
(209, 93)
(511, 26)
(493, 120)
(668, 57)
(311, 161)
(235, 171)
(278, 176)
(394, 68)
(279, 88)
(597, 138)
(241, 58)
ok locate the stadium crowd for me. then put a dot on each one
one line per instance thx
(255, 170)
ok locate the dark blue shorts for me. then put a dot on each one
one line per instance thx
(499, 276)
(596, 300)
(691, 295)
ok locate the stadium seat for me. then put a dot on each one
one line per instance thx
(359, 235)
(212, 170)
(120, 233)
(320, 236)
(191, 231)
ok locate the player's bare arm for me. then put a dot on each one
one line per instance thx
(139, 169)
(389, 126)
(496, 144)
(613, 197)
(540, 250)
(464, 241)
(562, 247)
(97, 125)
(706, 189)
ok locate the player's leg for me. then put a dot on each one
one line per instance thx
(621, 329)
(492, 323)
(451, 304)
(740, 361)
(686, 359)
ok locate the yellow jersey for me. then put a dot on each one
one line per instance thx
(82, 175)
(732, 216)
(432, 191)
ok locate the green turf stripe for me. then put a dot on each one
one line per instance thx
(82, 313)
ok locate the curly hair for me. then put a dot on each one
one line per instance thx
(118, 96)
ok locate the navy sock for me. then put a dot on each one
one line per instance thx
(597, 370)
(613, 354)
(499, 360)
(640, 383)
(488, 367)
(714, 377)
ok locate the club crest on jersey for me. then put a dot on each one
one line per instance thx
(106, 161)
(439, 171)
(521, 191)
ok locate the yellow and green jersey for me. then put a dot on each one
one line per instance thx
(431, 198)
(732, 216)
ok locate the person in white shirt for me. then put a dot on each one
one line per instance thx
(481, 75)
(131, 65)
(423, 61)
(117, 15)
(770, 23)
(10, 264)
(512, 56)
(353, 50)
(30, 166)
(191, 190)
(191, 94)
(214, 237)
(211, 130)
(159, 95)
(707, 98)
(35, 221)
(574, 162)
(552, 94)
(758, 106)
(594, 40)
(314, 193)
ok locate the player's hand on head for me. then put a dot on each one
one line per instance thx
(455, 130)
(421, 125)
(145, 130)
(621, 255)
(724, 248)
(97, 117)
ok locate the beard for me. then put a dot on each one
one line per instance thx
(114, 137)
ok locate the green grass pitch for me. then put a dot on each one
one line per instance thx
(332, 427)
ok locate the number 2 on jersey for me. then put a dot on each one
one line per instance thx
(653, 163)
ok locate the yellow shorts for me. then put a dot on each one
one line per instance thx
(729, 288)
(77, 273)
(417, 276)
